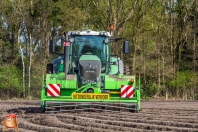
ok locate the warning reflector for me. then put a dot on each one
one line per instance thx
(66, 43)
(53, 90)
(126, 91)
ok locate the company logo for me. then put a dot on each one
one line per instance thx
(89, 64)
(90, 71)
(10, 121)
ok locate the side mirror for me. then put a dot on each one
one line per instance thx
(126, 47)
(52, 46)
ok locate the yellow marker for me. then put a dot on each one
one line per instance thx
(90, 96)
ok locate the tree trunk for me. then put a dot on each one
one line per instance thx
(172, 38)
(134, 56)
(194, 49)
(30, 64)
(163, 80)
(22, 58)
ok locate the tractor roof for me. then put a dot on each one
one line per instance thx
(89, 32)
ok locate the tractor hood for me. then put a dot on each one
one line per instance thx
(90, 69)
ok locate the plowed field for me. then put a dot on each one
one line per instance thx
(154, 116)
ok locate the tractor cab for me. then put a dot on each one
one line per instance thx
(89, 44)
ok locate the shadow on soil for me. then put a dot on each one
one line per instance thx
(28, 110)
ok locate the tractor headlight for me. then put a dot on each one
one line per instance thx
(73, 33)
(71, 40)
(106, 41)
(83, 80)
(93, 81)
(103, 33)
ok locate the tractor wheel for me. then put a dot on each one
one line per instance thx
(126, 70)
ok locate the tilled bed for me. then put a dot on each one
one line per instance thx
(153, 116)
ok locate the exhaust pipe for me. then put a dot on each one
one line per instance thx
(66, 54)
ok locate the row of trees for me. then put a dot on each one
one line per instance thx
(162, 33)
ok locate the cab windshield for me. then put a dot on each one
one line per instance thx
(92, 44)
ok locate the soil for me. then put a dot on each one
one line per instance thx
(153, 116)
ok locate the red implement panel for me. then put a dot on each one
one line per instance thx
(126, 91)
(53, 90)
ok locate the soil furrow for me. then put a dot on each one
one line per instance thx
(154, 116)
(145, 126)
(40, 128)
(143, 117)
(151, 122)
(93, 123)
(53, 121)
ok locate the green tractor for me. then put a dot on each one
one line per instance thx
(87, 76)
